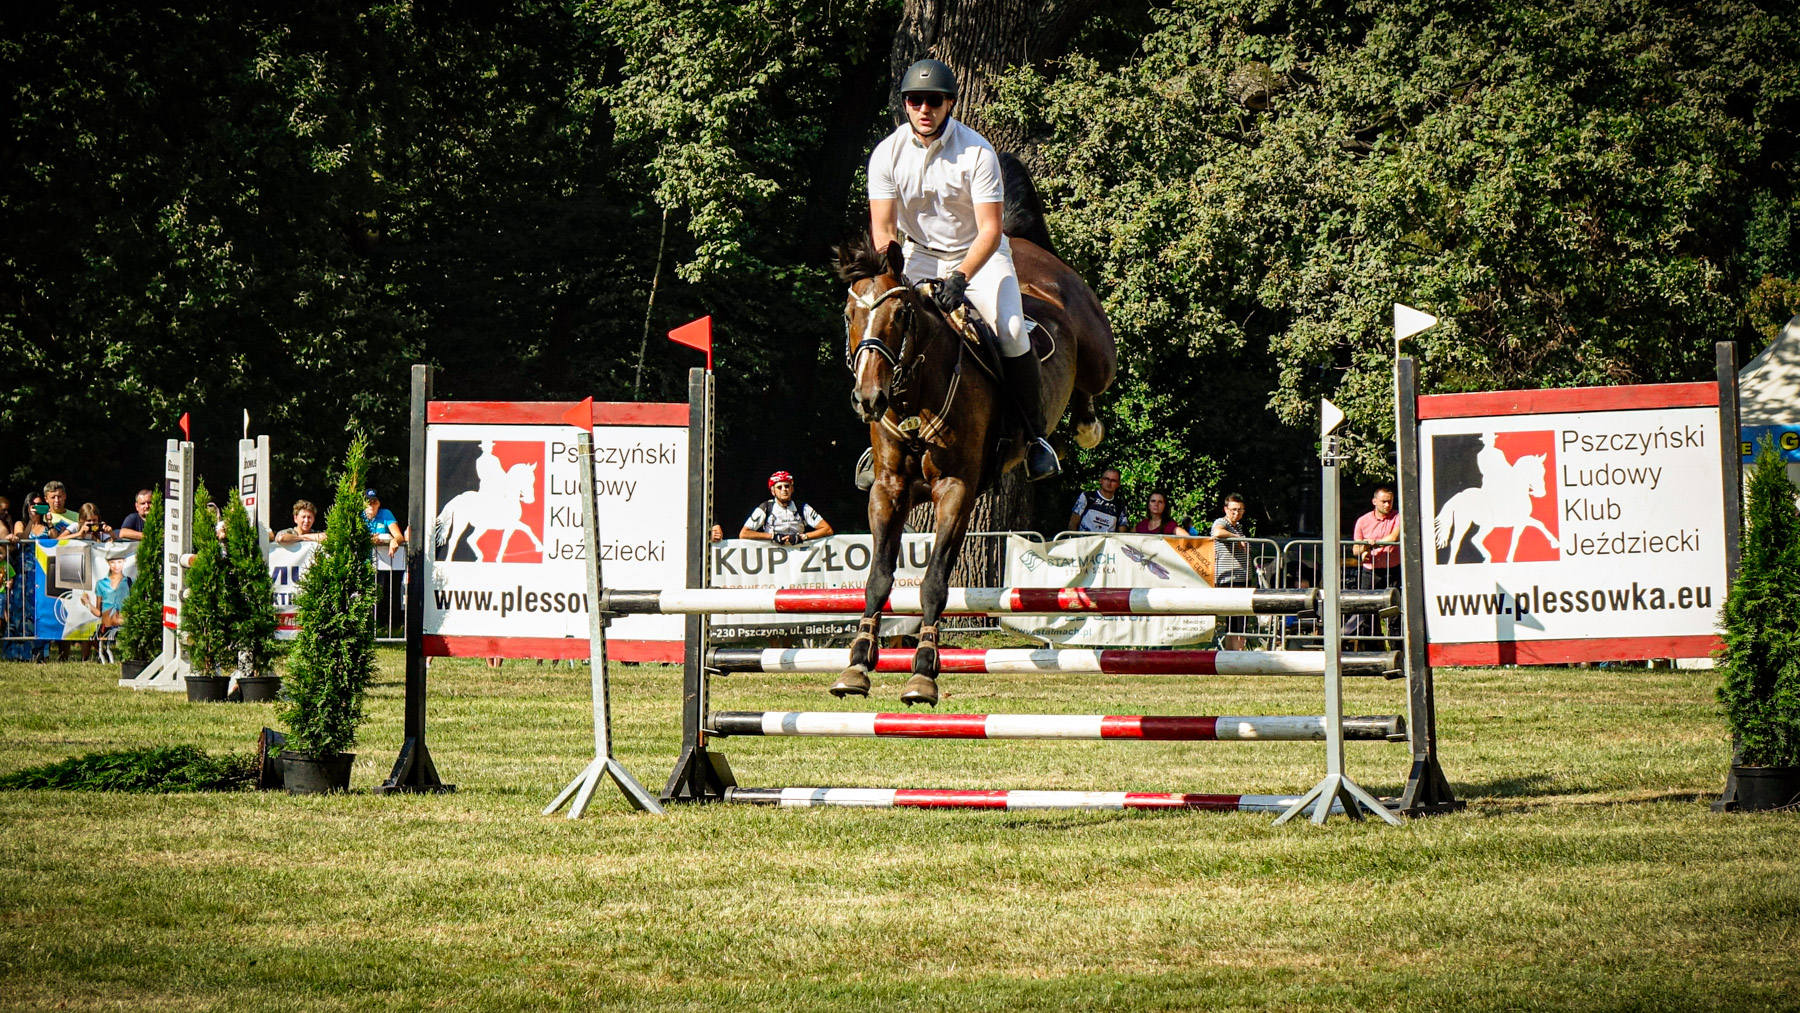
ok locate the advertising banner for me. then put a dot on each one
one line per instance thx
(504, 562)
(1111, 561)
(286, 564)
(837, 561)
(1594, 534)
(61, 579)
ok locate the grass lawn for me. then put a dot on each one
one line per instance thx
(1587, 873)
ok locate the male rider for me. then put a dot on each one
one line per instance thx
(935, 184)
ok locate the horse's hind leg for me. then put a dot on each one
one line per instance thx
(887, 510)
(1089, 430)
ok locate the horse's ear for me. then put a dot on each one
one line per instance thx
(896, 260)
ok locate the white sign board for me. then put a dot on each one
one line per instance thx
(1115, 560)
(503, 559)
(1589, 534)
(837, 561)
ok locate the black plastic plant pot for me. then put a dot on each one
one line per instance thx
(260, 688)
(305, 774)
(1766, 787)
(207, 688)
(131, 669)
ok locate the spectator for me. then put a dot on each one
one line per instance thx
(1156, 521)
(10, 529)
(131, 529)
(1231, 562)
(784, 520)
(1101, 510)
(390, 562)
(383, 528)
(89, 526)
(718, 532)
(1377, 535)
(305, 514)
(56, 520)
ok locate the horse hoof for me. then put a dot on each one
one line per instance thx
(854, 683)
(920, 689)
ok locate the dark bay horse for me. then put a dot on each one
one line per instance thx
(941, 427)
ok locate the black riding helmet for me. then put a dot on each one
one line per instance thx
(929, 75)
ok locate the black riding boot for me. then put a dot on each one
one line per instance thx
(1023, 379)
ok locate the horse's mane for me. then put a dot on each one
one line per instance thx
(858, 259)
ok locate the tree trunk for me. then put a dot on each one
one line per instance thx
(980, 39)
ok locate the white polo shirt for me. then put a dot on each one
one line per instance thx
(937, 187)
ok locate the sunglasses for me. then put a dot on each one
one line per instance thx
(925, 99)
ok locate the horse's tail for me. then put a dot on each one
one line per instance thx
(1444, 524)
(446, 522)
(1023, 215)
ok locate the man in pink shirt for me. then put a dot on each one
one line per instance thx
(1378, 550)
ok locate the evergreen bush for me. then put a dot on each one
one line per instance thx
(334, 653)
(249, 593)
(140, 629)
(205, 619)
(1760, 661)
(161, 769)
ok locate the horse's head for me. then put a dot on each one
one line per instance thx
(881, 314)
(523, 479)
(1531, 469)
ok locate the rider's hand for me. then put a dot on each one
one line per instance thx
(950, 291)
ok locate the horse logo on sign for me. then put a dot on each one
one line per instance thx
(1495, 493)
(495, 491)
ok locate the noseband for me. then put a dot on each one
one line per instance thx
(871, 343)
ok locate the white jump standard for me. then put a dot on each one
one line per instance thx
(1028, 661)
(1142, 727)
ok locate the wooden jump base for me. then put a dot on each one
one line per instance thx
(1147, 728)
(994, 601)
(929, 798)
(1028, 661)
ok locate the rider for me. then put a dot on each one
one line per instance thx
(935, 183)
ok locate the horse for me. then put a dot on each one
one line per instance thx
(479, 511)
(1487, 507)
(942, 427)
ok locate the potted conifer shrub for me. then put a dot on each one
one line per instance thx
(140, 628)
(205, 616)
(250, 606)
(333, 655)
(1760, 661)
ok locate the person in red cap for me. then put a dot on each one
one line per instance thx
(784, 520)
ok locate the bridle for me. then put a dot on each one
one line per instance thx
(871, 343)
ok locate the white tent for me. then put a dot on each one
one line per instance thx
(1769, 387)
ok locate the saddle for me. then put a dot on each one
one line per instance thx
(978, 337)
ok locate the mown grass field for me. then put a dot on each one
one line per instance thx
(1587, 873)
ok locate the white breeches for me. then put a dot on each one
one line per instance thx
(994, 290)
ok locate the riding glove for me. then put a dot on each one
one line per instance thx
(950, 291)
(790, 538)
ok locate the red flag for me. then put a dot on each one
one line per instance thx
(184, 428)
(581, 416)
(696, 335)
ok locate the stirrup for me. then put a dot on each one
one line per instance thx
(1041, 461)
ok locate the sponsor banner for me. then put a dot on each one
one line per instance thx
(1111, 561)
(1787, 442)
(1570, 526)
(286, 564)
(504, 556)
(60, 579)
(837, 561)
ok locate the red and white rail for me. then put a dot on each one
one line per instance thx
(965, 601)
(1027, 661)
(1144, 727)
(932, 798)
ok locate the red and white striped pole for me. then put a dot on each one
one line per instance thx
(1141, 727)
(1217, 601)
(1027, 661)
(934, 798)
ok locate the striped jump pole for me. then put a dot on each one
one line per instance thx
(930, 798)
(990, 601)
(1027, 661)
(1142, 727)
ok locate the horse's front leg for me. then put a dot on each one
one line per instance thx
(954, 505)
(887, 521)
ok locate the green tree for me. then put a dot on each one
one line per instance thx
(1760, 662)
(206, 592)
(333, 655)
(250, 598)
(140, 632)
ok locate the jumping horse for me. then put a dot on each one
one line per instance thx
(939, 424)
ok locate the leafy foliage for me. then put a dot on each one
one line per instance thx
(250, 597)
(1760, 662)
(140, 630)
(334, 652)
(206, 592)
(159, 769)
